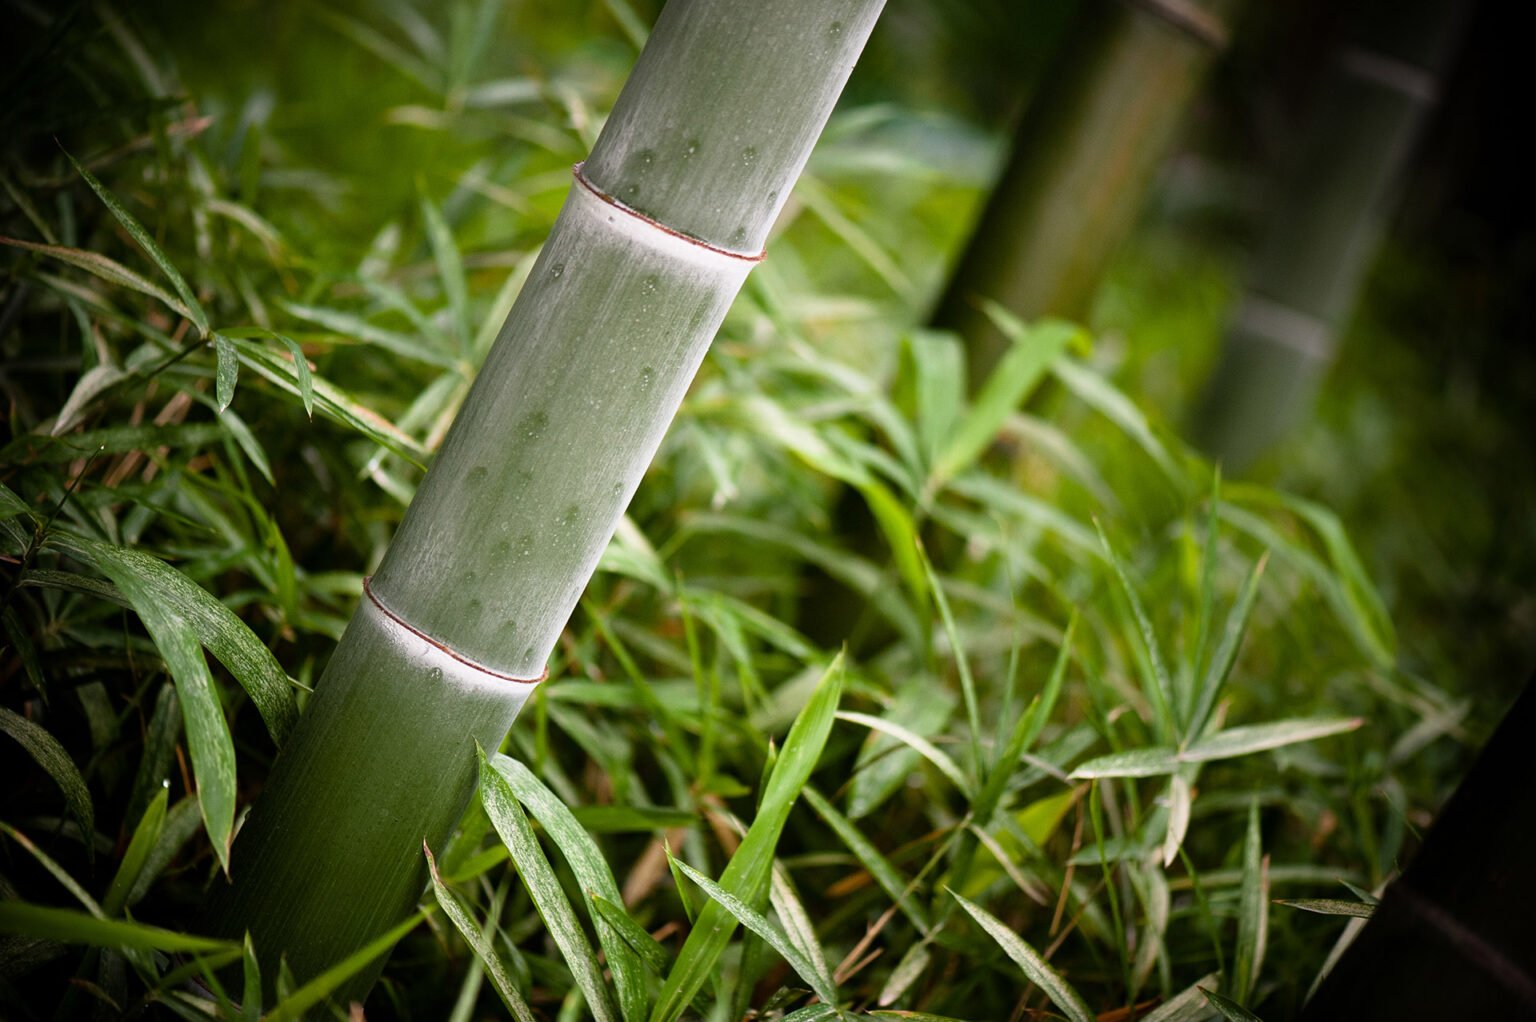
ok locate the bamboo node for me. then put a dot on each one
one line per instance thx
(438, 644)
(586, 183)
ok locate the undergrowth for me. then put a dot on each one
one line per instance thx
(1095, 709)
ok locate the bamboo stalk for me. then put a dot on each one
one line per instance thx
(1325, 227)
(662, 225)
(1081, 161)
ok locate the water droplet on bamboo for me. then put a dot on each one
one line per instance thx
(501, 550)
(835, 29)
(749, 156)
(650, 285)
(739, 236)
(690, 147)
(435, 674)
(477, 474)
(525, 545)
(528, 653)
(533, 425)
(571, 515)
(557, 270)
(646, 158)
(647, 377)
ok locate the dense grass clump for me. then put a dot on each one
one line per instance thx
(1010, 703)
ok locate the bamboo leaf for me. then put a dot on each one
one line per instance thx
(478, 943)
(74, 927)
(170, 596)
(1226, 653)
(921, 745)
(1159, 687)
(109, 270)
(1179, 804)
(145, 836)
(1152, 761)
(1035, 348)
(58, 872)
(1097, 392)
(759, 924)
(884, 873)
(592, 872)
(1188, 1005)
(1252, 911)
(507, 816)
(227, 371)
(746, 876)
(47, 753)
(1230, 1009)
(1243, 741)
(142, 237)
(1025, 730)
(208, 740)
(656, 957)
(1330, 907)
(1028, 959)
(347, 325)
(296, 1004)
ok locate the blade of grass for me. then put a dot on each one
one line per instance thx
(1252, 912)
(884, 873)
(145, 836)
(746, 876)
(1158, 687)
(47, 753)
(295, 1005)
(479, 943)
(923, 746)
(74, 927)
(592, 872)
(1038, 971)
(759, 924)
(549, 898)
(1226, 654)
(147, 243)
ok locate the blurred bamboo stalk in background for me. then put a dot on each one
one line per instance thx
(1082, 158)
(1324, 226)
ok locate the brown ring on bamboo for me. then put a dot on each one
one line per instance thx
(582, 180)
(460, 657)
(1200, 25)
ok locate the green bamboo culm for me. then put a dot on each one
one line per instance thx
(1330, 209)
(662, 224)
(1082, 159)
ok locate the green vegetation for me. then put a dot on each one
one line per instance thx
(1098, 714)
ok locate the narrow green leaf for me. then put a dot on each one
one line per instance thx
(1226, 653)
(886, 875)
(592, 872)
(759, 924)
(246, 441)
(1152, 761)
(142, 237)
(450, 270)
(226, 371)
(1099, 394)
(295, 1005)
(656, 957)
(1028, 959)
(923, 746)
(1252, 911)
(1230, 1009)
(516, 832)
(333, 402)
(914, 962)
(1158, 687)
(82, 928)
(348, 325)
(1242, 741)
(109, 270)
(34, 447)
(168, 594)
(58, 872)
(1035, 348)
(250, 1001)
(47, 753)
(1025, 730)
(1180, 802)
(1330, 906)
(145, 836)
(747, 874)
(479, 943)
(1188, 1005)
(208, 740)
